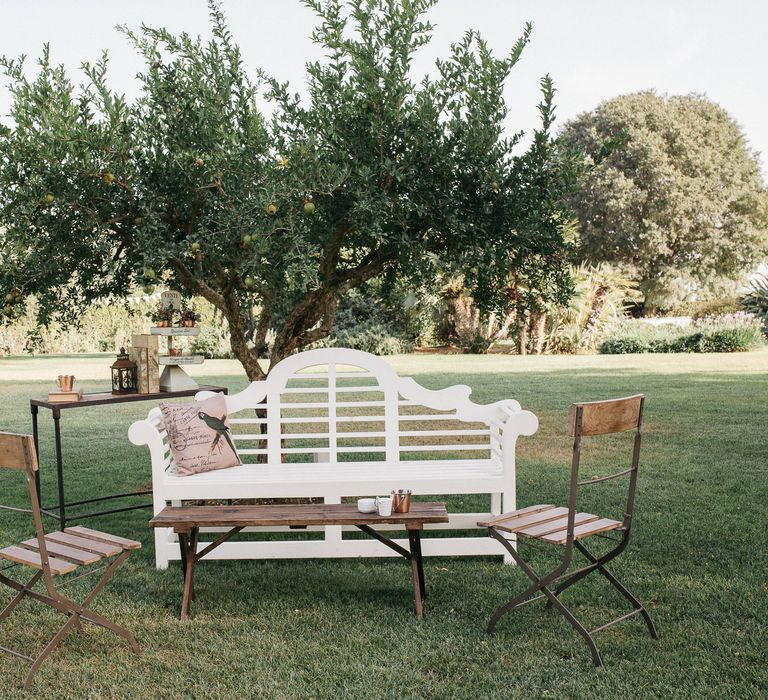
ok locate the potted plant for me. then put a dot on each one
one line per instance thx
(188, 318)
(162, 316)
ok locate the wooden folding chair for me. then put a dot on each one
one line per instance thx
(54, 555)
(568, 528)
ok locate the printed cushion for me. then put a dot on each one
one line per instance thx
(200, 436)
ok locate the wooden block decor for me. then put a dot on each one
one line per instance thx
(139, 356)
(145, 353)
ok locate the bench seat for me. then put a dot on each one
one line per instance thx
(339, 478)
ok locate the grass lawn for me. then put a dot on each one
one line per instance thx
(345, 628)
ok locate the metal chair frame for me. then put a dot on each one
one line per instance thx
(560, 575)
(18, 452)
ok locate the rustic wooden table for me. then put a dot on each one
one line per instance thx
(187, 521)
(89, 401)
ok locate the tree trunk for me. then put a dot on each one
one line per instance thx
(539, 331)
(592, 323)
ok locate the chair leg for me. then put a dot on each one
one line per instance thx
(48, 649)
(90, 616)
(541, 583)
(595, 562)
(75, 612)
(19, 596)
(636, 604)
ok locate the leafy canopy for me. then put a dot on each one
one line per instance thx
(274, 219)
(680, 206)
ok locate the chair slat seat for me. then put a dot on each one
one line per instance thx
(549, 523)
(501, 520)
(89, 545)
(62, 551)
(27, 557)
(581, 531)
(103, 537)
(520, 519)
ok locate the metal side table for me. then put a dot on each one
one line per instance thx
(59, 510)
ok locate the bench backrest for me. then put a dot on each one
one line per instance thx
(338, 405)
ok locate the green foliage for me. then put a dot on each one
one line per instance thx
(103, 328)
(711, 307)
(366, 321)
(738, 332)
(375, 174)
(598, 304)
(212, 342)
(756, 299)
(680, 204)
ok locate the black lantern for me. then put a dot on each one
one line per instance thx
(124, 375)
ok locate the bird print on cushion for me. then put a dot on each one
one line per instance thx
(219, 425)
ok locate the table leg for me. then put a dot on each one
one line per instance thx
(59, 468)
(36, 440)
(183, 554)
(189, 576)
(416, 571)
(420, 562)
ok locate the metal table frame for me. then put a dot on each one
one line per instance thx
(59, 510)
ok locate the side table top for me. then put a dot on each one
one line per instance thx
(106, 397)
(292, 515)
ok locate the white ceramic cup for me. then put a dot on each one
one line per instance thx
(384, 506)
(366, 505)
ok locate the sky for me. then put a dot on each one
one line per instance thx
(593, 49)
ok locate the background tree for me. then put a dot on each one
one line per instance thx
(272, 221)
(679, 204)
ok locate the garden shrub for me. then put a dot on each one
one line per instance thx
(212, 343)
(738, 332)
(366, 321)
(624, 345)
(103, 328)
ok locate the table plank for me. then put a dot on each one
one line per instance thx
(184, 518)
(106, 397)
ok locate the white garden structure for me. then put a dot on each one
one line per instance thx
(335, 423)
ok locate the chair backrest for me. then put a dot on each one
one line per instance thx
(593, 418)
(18, 452)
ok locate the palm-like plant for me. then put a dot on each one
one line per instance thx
(600, 297)
(756, 299)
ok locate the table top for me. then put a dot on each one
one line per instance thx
(183, 519)
(107, 397)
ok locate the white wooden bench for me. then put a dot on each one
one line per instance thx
(336, 422)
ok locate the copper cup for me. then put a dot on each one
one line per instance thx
(65, 382)
(401, 501)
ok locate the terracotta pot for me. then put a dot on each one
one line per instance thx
(187, 324)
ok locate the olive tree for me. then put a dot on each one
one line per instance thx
(273, 219)
(676, 199)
